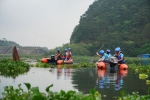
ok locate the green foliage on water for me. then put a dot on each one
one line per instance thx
(133, 96)
(140, 68)
(44, 65)
(33, 93)
(9, 67)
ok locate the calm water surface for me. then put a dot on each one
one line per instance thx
(108, 82)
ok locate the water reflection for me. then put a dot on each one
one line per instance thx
(83, 79)
(63, 71)
(111, 77)
(67, 73)
(59, 71)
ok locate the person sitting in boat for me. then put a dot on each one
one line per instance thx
(58, 56)
(65, 54)
(119, 55)
(68, 54)
(108, 53)
(103, 56)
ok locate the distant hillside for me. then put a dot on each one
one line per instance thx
(123, 23)
(5, 42)
(6, 47)
(23, 50)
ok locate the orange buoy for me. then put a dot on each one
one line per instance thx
(101, 65)
(123, 66)
(44, 60)
(59, 62)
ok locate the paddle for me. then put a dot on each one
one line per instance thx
(91, 61)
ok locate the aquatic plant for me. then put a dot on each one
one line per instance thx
(140, 68)
(133, 96)
(9, 67)
(75, 65)
(43, 65)
(33, 93)
(143, 76)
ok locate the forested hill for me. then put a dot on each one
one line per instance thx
(123, 23)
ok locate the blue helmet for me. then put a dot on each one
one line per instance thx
(65, 49)
(101, 52)
(117, 49)
(58, 50)
(108, 51)
(69, 49)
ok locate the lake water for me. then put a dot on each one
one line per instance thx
(108, 82)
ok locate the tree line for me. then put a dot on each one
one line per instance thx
(116, 23)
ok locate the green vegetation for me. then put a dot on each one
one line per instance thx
(140, 69)
(34, 93)
(133, 96)
(10, 68)
(13, 68)
(44, 65)
(115, 23)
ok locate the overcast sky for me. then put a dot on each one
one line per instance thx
(45, 23)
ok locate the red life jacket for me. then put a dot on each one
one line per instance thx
(60, 56)
(68, 54)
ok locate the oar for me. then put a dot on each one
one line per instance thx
(91, 61)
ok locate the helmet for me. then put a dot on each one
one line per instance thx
(58, 50)
(65, 49)
(117, 49)
(101, 52)
(108, 51)
(69, 49)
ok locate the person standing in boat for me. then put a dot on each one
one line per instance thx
(68, 54)
(58, 55)
(103, 56)
(119, 55)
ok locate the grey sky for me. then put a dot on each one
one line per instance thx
(45, 23)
